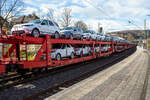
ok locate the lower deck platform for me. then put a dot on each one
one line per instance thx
(122, 81)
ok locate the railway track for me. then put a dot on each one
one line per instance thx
(9, 75)
(63, 85)
(16, 79)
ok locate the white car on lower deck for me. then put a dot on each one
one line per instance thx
(37, 27)
(104, 48)
(60, 51)
(83, 50)
(96, 49)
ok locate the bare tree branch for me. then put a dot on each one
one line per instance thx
(50, 14)
(81, 25)
(66, 17)
(2, 3)
(9, 9)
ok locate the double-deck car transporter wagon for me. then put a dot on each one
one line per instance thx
(14, 46)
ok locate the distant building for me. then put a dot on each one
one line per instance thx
(131, 35)
(24, 19)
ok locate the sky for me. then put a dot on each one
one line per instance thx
(113, 15)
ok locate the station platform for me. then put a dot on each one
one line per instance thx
(147, 82)
(122, 81)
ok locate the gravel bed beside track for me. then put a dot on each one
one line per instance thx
(20, 91)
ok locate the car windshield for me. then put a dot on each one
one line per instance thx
(87, 31)
(35, 21)
(67, 28)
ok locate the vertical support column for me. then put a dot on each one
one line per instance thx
(15, 53)
(18, 53)
(48, 50)
(93, 49)
(3, 51)
(26, 52)
(100, 49)
(113, 49)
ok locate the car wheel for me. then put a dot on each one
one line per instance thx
(71, 37)
(58, 57)
(81, 38)
(72, 55)
(56, 35)
(35, 33)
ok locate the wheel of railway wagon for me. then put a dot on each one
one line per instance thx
(58, 57)
(72, 55)
(35, 33)
(22, 71)
(46, 69)
(56, 35)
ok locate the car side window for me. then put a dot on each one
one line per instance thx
(56, 46)
(68, 45)
(75, 29)
(92, 32)
(83, 46)
(44, 22)
(78, 30)
(63, 46)
(56, 24)
(50, 23)
(81, 31)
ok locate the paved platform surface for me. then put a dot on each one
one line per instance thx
(122, 81)
(147, 96)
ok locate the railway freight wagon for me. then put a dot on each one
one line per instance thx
(23, 53)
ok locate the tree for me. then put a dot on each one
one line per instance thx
(49, 15)
(66, 17)
(8, 10)
(81, 25)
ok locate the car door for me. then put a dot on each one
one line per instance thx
(69, 49)
(84, 49)
(87, 49)
(56, 27)
(80, 31)
(63, 50)
(44, 27)
(95, 35)
(51, 27)
(92, 35)
(74, 31)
